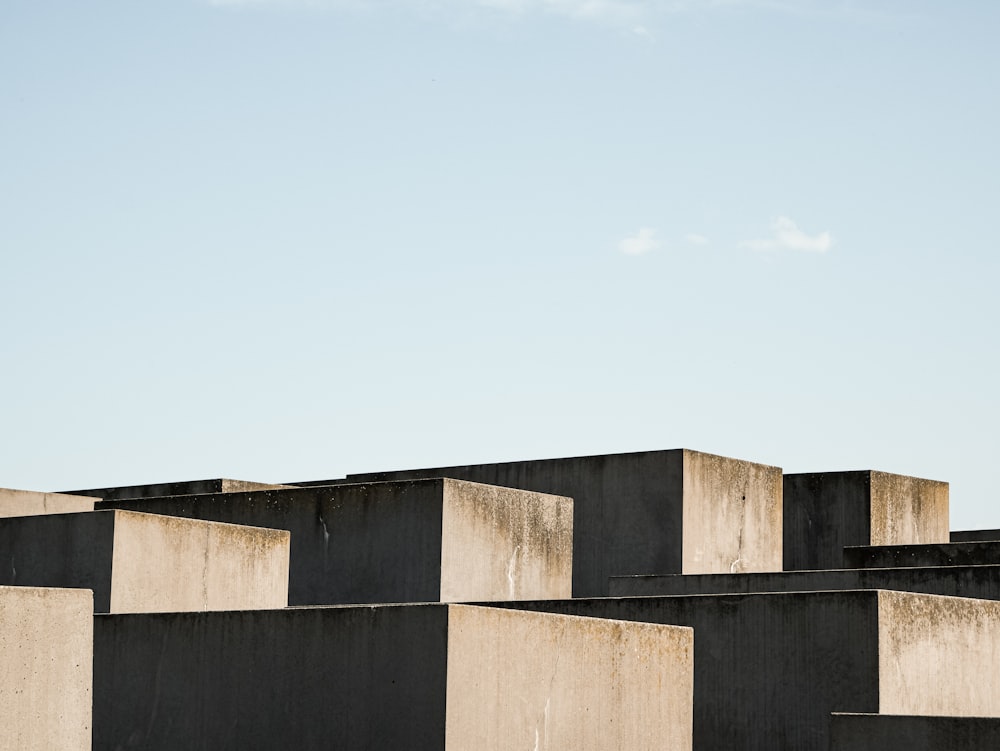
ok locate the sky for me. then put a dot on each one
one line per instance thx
(285, 240)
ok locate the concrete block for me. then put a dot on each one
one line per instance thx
(677, 511)
(31, 503)
(946, 554)
(880, 732)
(420, 541)
(46, 667)
(186, 487)
(975, 535)
(770, 668)
(422, 677)
(138, 562)
(828, 511)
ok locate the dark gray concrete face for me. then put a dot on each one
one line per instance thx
(163, 489)
(349, 544)
(907, 556)
(48, 551)
(873, 732)
(975, 535)
(630, 514)
(769, 668)
(318, 678)
(824, 512)
(982, 582)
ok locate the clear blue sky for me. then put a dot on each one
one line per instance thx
(282, 240)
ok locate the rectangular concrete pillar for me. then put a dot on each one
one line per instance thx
(138, 562)
(828, 511)
(418, 677)
(31, 503)
(46, 664)
(677, 511)
(185, 487)
(413, 541)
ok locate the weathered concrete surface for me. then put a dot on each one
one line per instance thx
(975, 535)
(938, 655)
(677, 511)
(30, 503)
(415, 541)
(828, 511)
(46, 666)
(186, 487)
(519, 680)
(137, 562)
(955, 581)
(422, 677)
(879, 732)
(770, 668)
(946, 554)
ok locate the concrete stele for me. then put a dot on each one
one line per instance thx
(31, 503)
(46, 667)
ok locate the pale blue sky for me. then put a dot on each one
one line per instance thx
(281, 240)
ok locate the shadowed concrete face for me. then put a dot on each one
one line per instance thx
(46, 662)
(826, 512)
(30, 503)
(675, 511)
(422, 677)
(187, 487)
(413, 541)
(873, 732)
(945, 554)
(137, 562)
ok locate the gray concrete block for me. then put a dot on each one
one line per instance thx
(879, 732)
(421, 677)
(676, 511)
(770, 668)
(953, 581)
(31, 503)
(46, 666)
(946, 554)
(975, 535)
(420, 541)
(185, 487)
(827, 511)
(136, 562)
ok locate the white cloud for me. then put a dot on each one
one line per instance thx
(641, 242)
(788, 236)
(694, 238)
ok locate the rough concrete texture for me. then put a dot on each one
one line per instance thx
(46, 665)
(938, 655)
(137, 562)
(959, 581)
(879, 732)
(504, 544)
(519, 680)
(382, 677)
(187, 487)
(30, 503)
(415, 541)
(826, 512)
(732, 515)
(641, 513)
(946, 554)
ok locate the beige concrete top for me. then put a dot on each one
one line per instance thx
(33, 503)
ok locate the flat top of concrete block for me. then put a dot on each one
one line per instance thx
(163, 518)
(181, 487)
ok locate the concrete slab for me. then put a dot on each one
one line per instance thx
(946, 554)
(31, 503)
(879, 732)
(975, 535)
(423, 677)
(827, 511)
(46, 667)
(184, 487)
(770, 668)
(138, 562)
(415, 541)
(954, 581)
(677, 511)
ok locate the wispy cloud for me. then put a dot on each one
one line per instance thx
(641, 242)
(787, 236)
(693, 238)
